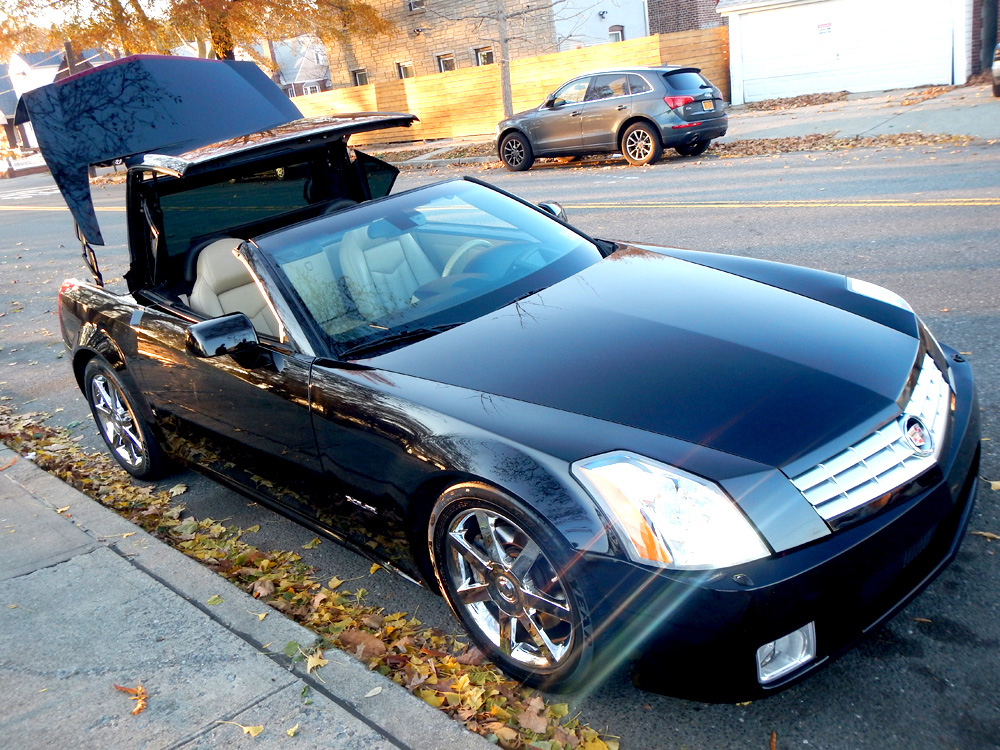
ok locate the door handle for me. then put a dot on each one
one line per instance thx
(621, 107)
(574, 114)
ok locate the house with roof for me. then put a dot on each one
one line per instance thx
(302, 65)
(26, 71)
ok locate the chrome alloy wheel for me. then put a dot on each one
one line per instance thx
(638, 145)
(508, 587)
(513, 152)
(117, 422)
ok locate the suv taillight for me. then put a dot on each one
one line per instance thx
(677, 101)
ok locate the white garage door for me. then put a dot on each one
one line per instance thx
(853, 45)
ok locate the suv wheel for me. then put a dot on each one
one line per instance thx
(692, 149)
(641, 145)
(515, 152)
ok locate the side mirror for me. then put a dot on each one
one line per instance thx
(555, 209)
(229, 334)
(550, 101)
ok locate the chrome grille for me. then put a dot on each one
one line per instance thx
(885, 459)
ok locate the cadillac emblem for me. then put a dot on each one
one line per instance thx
(917, 436)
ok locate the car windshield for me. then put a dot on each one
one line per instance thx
(416, 263)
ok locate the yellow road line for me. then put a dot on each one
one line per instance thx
(873, 203)
(618, 205)
(58, 208)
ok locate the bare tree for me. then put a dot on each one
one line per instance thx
(509, 23)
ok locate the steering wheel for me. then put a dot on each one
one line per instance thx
(532, 247)
(462, 251)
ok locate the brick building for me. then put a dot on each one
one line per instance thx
(668, 16)
(434, 36)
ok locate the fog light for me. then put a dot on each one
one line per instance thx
(788, 653)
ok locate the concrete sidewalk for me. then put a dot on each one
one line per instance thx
(967, 110)
(87, 601)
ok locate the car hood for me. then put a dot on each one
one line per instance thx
(683, 350)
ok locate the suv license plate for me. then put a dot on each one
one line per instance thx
(708, 105)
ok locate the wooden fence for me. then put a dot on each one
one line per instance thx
(467, 102)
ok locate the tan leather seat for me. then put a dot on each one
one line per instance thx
(223, 285)
(383, 272)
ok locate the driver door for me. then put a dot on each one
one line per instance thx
(559, 128)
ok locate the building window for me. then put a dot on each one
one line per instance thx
(360, 77)
(616, 33)
(404, 70)
(310, 88)
(484, 56)
(290, 92)
(445, 62)
(415, 5)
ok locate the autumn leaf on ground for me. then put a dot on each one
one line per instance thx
(313, 544)
(252, 731)
(177, 489)
(994, 485)
(373, 692)
(291, 732)
(774, 740)
(215, 600)
(531, 719)
(374, 568)
(988, 535)
(137, 694)
(315, 660)
(258, 615)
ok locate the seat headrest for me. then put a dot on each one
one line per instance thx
(220, 268)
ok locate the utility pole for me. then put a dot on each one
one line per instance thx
(508, 99)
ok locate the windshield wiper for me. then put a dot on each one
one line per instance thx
(397, 338)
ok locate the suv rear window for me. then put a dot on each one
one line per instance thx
(686, 80)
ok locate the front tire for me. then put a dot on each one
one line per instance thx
(515, 152)
(125, 433)
(641, 145)
(693, 149)
(508, 578)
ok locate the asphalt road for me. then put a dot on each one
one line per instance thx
(923, 222)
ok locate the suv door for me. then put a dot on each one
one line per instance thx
(608, 104)
(559, 128)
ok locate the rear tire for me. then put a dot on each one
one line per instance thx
(996, 88)
(508, 578)
(515, 152)
(641, 145)
(128, 437)
(693, 149)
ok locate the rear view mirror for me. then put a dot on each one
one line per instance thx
(229, 334)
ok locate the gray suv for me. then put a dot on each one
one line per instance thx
(635, 111)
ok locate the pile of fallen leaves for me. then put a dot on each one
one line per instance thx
(828, 142)
(922, 95)
(433, 665)
(791, 102)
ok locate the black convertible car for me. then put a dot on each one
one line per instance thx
(594, 449)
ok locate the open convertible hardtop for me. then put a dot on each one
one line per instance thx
(171, 114)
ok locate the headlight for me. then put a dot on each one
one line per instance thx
(667, 516)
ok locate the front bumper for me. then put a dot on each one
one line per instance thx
(698, 632)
